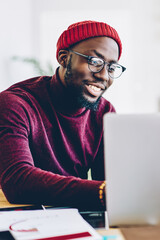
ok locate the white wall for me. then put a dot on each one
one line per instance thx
(31, 28)
(15, 40)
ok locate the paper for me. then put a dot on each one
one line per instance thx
(56, 224)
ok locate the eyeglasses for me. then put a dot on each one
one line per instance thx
(95, 65)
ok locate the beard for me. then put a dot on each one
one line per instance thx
(75, 92)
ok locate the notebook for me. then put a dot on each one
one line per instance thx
(132, 168)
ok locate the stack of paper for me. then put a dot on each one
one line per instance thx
(56, 224)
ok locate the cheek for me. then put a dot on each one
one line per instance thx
(80, 67)
(110, 82)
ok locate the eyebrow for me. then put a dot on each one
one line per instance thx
(101, 56)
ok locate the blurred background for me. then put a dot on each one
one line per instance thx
(29, 30)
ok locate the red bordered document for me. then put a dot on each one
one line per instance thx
(51, 224)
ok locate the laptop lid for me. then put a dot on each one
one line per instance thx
(132, 168)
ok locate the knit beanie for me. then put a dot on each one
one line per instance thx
(86, 29)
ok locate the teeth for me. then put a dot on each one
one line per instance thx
(97, 89)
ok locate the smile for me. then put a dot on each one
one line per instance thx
(94, 89)
(97, 89)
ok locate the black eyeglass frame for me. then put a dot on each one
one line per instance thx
(104, 63)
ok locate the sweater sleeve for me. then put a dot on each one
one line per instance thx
(24, 183)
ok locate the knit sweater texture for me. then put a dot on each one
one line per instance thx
(45, 153)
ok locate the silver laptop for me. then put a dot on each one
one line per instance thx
(132, 168)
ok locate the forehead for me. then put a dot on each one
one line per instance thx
(104, 45)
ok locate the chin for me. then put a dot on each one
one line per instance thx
(89, 102)
(92, 99)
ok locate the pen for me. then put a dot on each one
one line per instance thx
(43, 207)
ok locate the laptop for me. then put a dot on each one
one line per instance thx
(132, 168)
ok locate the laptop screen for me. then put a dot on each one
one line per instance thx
(132, 168)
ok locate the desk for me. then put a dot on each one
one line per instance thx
(5, 204)
(130, 233)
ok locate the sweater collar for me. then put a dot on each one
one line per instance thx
(61, 100)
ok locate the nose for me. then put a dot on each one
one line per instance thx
(103, 75)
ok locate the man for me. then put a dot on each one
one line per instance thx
(51, 129)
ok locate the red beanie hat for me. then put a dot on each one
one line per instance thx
(86, 29)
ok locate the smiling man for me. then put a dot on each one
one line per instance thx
(51, 130)
(81, 75)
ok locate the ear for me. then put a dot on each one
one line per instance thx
(62, 57)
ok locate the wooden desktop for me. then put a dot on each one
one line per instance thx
(124, 233)
(5, 204)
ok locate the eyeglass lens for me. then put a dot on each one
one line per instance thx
(96, 65)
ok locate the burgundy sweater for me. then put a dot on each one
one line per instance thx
(45, 154)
